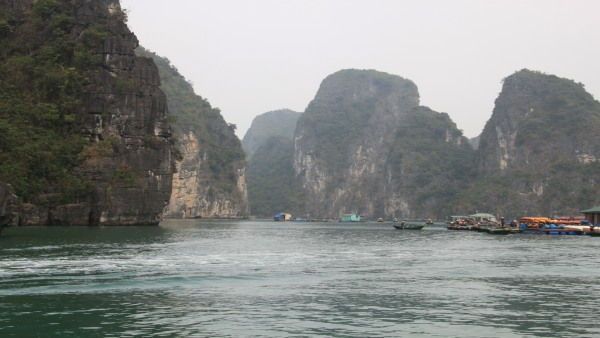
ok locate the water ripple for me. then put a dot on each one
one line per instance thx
(239, 279)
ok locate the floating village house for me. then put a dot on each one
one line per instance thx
(592, 215)
(480, 217)
(350, 218)
(282, 217)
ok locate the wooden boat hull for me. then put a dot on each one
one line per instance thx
(409, 227)
(501, 231)
(562, 232)
(458, 228)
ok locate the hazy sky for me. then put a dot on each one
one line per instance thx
(248, 57)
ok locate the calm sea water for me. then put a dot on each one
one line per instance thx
(239, 279)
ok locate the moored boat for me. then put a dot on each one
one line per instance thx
(409, 226)
(350, 218)
(282, 217)
(460, 223)
(502, 231)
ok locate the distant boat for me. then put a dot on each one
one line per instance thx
(484, 217)
(282, 217)
(350, 218)
(501, 231)
(409, 226)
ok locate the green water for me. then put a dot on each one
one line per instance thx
(252, 279)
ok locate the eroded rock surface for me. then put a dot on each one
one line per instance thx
(356, 149)
(122, 113)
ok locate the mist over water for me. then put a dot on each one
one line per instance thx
(195, 278)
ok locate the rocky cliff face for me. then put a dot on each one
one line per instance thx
(210, 178)
(430, 162)
(107, 150)
(8, 206)
(365, 145)
(278, 123)
(272, 184)
(355, 150)
(540, 151)
(539, 120)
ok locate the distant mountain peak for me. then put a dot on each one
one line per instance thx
(280, 123)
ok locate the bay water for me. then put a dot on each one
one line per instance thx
(264, 279)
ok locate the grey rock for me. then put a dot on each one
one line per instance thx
(355, 154)
(122, 106)
(9, 215)
(539, 153)
(210, 178)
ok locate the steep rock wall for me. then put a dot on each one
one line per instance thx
(349, 146)
(539, 120)
(8, 206)
(194, 193)
(278, 123)
(119, 111)
(540, 151)
(269, 146)
(210, 177)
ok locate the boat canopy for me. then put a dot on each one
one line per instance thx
(458, 217)
(595, 210)
(481, 216)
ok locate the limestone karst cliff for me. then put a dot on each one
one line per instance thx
(272, 184)
(365, 145)
(538, 120)
(278, 123)
(8, 206)
(540, 151)
(210, 177)
(83, 123)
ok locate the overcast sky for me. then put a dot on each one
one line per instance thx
(249, 57)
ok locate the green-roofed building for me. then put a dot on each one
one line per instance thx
(350, 218)
(592, 215)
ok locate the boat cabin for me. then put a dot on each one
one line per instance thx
(350, 218)
(592, 215)
(282, 217)
(481, 217)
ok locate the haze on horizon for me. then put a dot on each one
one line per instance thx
(250, 57)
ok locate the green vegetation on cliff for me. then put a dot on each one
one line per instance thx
(190, 112)
(43, 73)
(540, 151)
(272, 185)
(365, 145)
(347, 103)
(432, 161)
(83, 132)
(275, 123)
